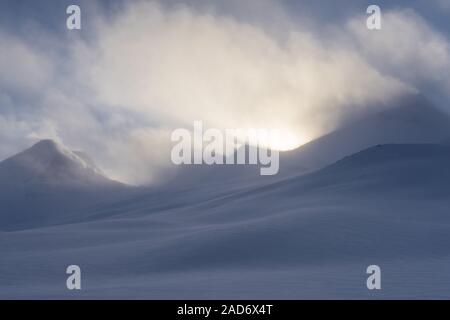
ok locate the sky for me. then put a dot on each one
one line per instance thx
(137, 70)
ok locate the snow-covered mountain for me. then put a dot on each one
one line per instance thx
(48, 162)
(47, 183)
(301, 235)
(310, 236)
(411, 119)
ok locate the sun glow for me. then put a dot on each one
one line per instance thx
(283, 140)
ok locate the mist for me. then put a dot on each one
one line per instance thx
(118, 90)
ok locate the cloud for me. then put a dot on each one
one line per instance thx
(150, 68)
(408, 49)
(180, 65)
(444, 4)
(33, 70)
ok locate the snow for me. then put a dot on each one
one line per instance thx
(50, 162)
(301, 236)
(413, 119)
(49, 184)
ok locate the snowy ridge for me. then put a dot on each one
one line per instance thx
(49, 162)
(48, 184)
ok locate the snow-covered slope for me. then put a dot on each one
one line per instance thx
(48, 162)
(411, 119)
(302, 235)
(48, 183)
(310, 236)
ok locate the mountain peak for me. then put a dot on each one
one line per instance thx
(50, 162)
(45, 149)
(46, 143)
(411, 120)
(47, 146)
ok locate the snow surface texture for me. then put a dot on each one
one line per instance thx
(299, 236)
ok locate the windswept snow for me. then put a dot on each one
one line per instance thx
(49, 184)
(48, 162)
(306, 237)
(298, 236)
(413, 119)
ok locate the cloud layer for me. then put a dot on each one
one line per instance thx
(119, 91)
